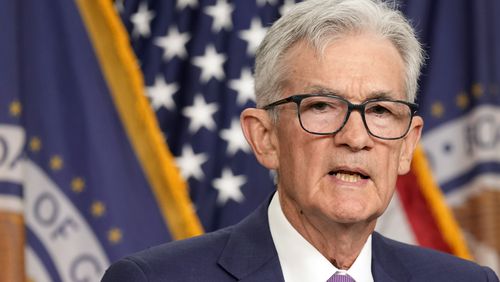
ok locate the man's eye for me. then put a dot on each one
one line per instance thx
(378, 110)
(319, 106)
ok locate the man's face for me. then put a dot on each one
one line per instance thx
(348, 177)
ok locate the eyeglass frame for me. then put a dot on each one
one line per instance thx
(297, 99)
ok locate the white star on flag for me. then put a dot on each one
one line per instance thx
(211, 64)
(200, 114)
(235, 138)
(161, 93)
(181, 4)
(190, 163)
(262, 3)
(173, 44)
(244, 86)
(142, 20)
(229, 187)
(286, 6)
(253, 36)
(221, 15)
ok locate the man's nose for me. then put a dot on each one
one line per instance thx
(354, 134)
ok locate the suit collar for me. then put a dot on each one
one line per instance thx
(250, 253)
(386, 266)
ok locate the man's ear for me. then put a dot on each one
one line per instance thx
(410, 142)
(259, 132)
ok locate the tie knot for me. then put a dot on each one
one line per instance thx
(340, 277)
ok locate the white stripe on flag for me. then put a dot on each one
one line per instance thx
(11, 204)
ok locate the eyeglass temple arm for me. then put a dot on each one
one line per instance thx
(280, 102)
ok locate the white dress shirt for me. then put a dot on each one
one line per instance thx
(300, 261)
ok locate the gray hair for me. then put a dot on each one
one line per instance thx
(319, 22)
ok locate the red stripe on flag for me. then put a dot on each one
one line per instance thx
(419, 214)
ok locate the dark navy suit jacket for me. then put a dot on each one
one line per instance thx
(246, 252)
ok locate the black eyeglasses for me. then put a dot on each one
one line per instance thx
(326, 114)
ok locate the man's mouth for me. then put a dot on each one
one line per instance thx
(348, 176)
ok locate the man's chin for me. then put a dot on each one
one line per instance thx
(352, 216)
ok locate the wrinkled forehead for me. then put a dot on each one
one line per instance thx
(359, 63)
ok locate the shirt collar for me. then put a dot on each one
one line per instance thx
(301, 261)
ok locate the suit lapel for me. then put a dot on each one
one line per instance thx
(249, 254)
(385, 264)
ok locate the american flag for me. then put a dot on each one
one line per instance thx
(197, 59)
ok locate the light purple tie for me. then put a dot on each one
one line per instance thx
(340, 278)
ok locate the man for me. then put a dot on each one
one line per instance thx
(335, 84)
